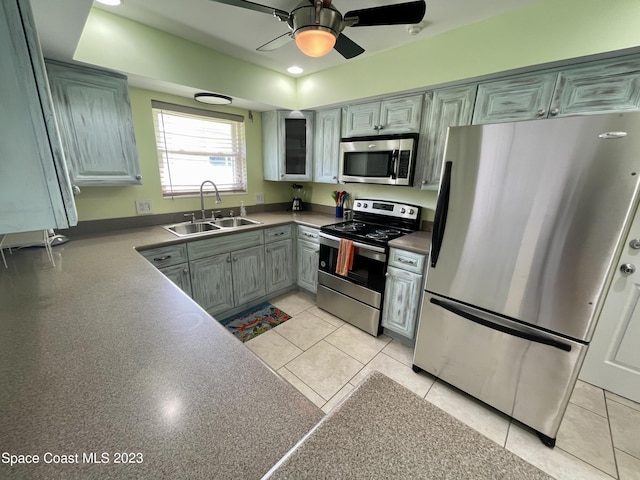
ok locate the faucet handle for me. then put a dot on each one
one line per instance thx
(231, 214)
(192, 215)
(216, 213)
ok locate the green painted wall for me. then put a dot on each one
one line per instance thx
(96, 203)
(550, 31)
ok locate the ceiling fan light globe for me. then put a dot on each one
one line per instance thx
(314, 42)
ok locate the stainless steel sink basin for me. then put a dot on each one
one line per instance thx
(195, 228)
(229, 222)
(182, 229)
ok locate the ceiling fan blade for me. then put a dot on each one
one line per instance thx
(276, 43)
(347, 47)
(281, 14)
(398, 14)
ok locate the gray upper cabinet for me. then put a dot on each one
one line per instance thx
(35, 192)
(94, 116)
(389, 116)
(287, 145)
(523, 97)
(326, 148)
(443, 108)
(600, 87)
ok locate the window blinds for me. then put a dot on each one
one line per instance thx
(195, 145)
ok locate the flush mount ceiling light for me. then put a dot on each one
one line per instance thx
(111, 3)
(212, 98)
(295, 70)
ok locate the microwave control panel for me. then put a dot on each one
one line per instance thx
(404, 163)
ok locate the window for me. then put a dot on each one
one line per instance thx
(195, 145)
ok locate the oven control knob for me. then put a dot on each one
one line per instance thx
(411, 211)
(358, 204)
(402, 210)
(323, 264)
(365, 205)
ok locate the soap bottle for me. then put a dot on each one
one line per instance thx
(243, 211)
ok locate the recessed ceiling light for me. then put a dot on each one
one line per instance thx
(295, 70)
(212, 98)
(111, 3)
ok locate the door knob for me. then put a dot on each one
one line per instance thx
(627, 268)
(635, 243)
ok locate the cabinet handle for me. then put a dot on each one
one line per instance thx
(387, 274)
(406, 262)
(76, 189)
(541, 113)
(282, 175)
(278, 234)
(334, 178)
(554, 111)
(235, 259)
(138, 177)
(229, 259)
(268, 250)
(162, 259)
(185, 270)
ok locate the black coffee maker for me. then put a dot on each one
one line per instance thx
(296, 206)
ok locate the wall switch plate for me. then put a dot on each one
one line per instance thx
(259, 197)
(143, 207)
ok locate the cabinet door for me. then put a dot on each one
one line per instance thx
(362, 119)
(279, 265)
(447, 108)
(179, 274)
(326, 146)
(400, 115)
(248, 274)
(524, 97)
(602, 87)
(308, 265)
(401, 300)
(287, 148)
(94, 116)
(270, 146)
(211, 283)
(35, 192)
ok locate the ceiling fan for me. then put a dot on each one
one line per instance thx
(316, 25)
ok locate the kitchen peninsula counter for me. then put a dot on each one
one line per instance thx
(102, 356)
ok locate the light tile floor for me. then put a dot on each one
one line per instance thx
(324, 358)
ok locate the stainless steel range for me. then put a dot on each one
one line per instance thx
(354, 293)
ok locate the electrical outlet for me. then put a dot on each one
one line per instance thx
(143, 207)
(259, 198)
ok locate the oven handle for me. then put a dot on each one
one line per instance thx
(355, 244)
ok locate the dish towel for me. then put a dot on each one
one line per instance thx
(344, 263)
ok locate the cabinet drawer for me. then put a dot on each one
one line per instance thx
(308, 234)
(412, 262)
(283, 232)
(166, 256)
(224, 244)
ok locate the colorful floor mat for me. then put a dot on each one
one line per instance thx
(254, 321)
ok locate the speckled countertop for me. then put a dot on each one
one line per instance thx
(418, 242)
(382, 430)
(102, 355)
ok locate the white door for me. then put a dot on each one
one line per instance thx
(613, 358)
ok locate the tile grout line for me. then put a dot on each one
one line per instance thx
(613, 445)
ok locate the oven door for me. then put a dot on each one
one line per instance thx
(369, 262)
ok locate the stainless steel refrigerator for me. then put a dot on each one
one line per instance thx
(528, 226)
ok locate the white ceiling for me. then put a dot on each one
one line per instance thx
(238, 32)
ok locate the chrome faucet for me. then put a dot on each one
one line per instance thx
(218, 199)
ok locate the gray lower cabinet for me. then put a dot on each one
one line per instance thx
(308, 250)
(179, 274)
(443, 108)
(227, 271)
(403, 292)
(212, 282)
(96, 126)
(279, 258)
(35, 192)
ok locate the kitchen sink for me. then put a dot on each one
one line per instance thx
(195, 228)
(182, 229)
(234, 222)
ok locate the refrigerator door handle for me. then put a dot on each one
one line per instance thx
(442, 208)
(502, 328)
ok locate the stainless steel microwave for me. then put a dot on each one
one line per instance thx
(383, 159)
